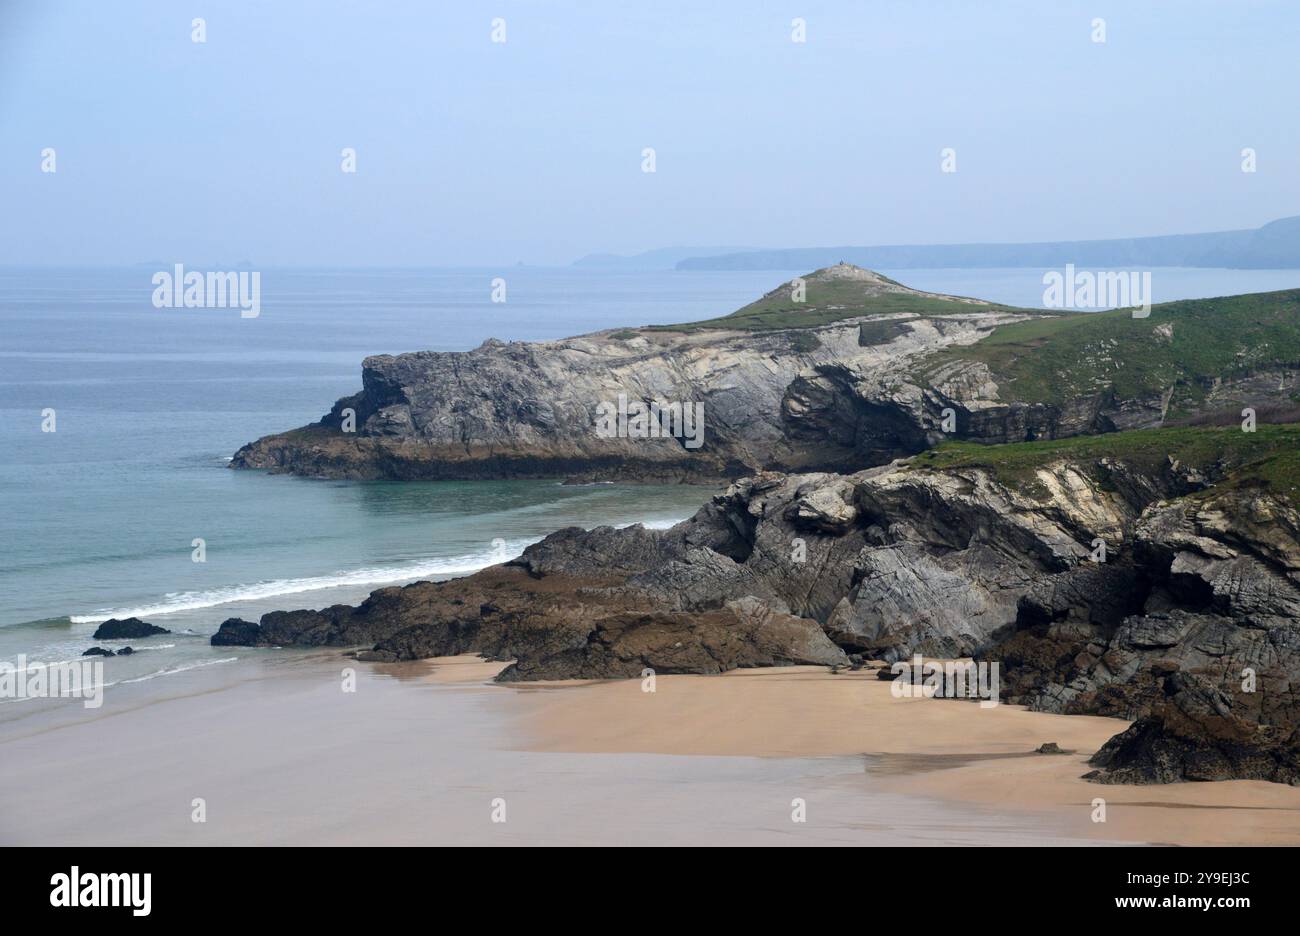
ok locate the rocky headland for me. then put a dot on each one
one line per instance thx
(842, 370)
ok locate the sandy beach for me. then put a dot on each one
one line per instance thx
(956, 752)
(428, 753)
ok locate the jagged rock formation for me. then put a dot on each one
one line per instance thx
(1197, 636)
(556, 627)
(1193, 733)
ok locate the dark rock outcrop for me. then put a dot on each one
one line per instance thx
(557, 626)
(126, 629)
(236, 632)
(1193, 733)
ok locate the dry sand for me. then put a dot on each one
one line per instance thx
(949, 750)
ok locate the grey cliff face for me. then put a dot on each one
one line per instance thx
(867, 374)
(823, 398)
(774, 400)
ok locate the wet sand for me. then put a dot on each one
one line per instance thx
(427, 753)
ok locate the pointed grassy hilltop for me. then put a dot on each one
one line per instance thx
(833, 294)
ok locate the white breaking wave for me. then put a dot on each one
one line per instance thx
(383, 575)
(653, 524)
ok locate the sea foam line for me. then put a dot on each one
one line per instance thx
(121, 682)
(173, 671)
(194, 600)
(652, 524)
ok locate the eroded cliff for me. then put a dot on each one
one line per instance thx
(842, 370)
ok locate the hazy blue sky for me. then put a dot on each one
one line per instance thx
(471, 152)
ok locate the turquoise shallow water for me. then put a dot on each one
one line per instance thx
(98, 517)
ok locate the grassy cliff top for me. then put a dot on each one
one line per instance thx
(832, 294)
(1184, 346)
(1269, 457)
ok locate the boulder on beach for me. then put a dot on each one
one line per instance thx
(131, 628)
(235, 632)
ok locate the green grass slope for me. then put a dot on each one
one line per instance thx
(1183, 345)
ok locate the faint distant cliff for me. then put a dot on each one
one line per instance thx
(1273, 246)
